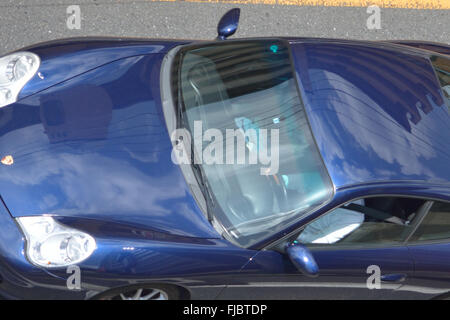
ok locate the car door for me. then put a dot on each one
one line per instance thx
(371, 262)
(430, 249)
(345, 273)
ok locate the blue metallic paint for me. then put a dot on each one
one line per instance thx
(121, 260)
(377, 113)
(302, 258)
(99, 137)
(228, 24)
(102, 133)
(342, 275)
(91, 147)
(431, 262)
(66, 58)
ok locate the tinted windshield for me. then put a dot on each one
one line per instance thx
(250, 136)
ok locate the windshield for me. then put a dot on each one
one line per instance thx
(249, 136)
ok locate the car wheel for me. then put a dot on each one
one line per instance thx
(142, 292)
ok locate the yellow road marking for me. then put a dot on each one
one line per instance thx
(407, 4)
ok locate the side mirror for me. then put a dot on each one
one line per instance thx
(302, 258)
(228, 24)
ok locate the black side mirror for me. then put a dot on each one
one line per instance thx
(228, 24)
(302, 258)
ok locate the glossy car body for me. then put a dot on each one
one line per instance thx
(91, 148)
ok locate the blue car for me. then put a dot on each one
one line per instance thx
(265, 168)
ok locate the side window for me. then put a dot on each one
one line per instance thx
(436, 224)
(367, 221)
(442, 67)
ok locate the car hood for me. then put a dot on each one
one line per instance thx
(65, 58)
(96, 146)
(376, 111)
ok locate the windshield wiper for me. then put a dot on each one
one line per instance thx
(198, 172)
(204, 187)
(203, 184)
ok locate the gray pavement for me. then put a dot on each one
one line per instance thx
(26, 22)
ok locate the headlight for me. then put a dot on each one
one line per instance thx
(50, 244)
(16, 70)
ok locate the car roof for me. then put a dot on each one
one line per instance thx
(376, 110)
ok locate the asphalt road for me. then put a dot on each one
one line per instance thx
(24, 22)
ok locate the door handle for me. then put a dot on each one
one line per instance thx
(393, 277)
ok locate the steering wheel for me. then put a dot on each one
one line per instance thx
(280, 190)
(241, 208)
